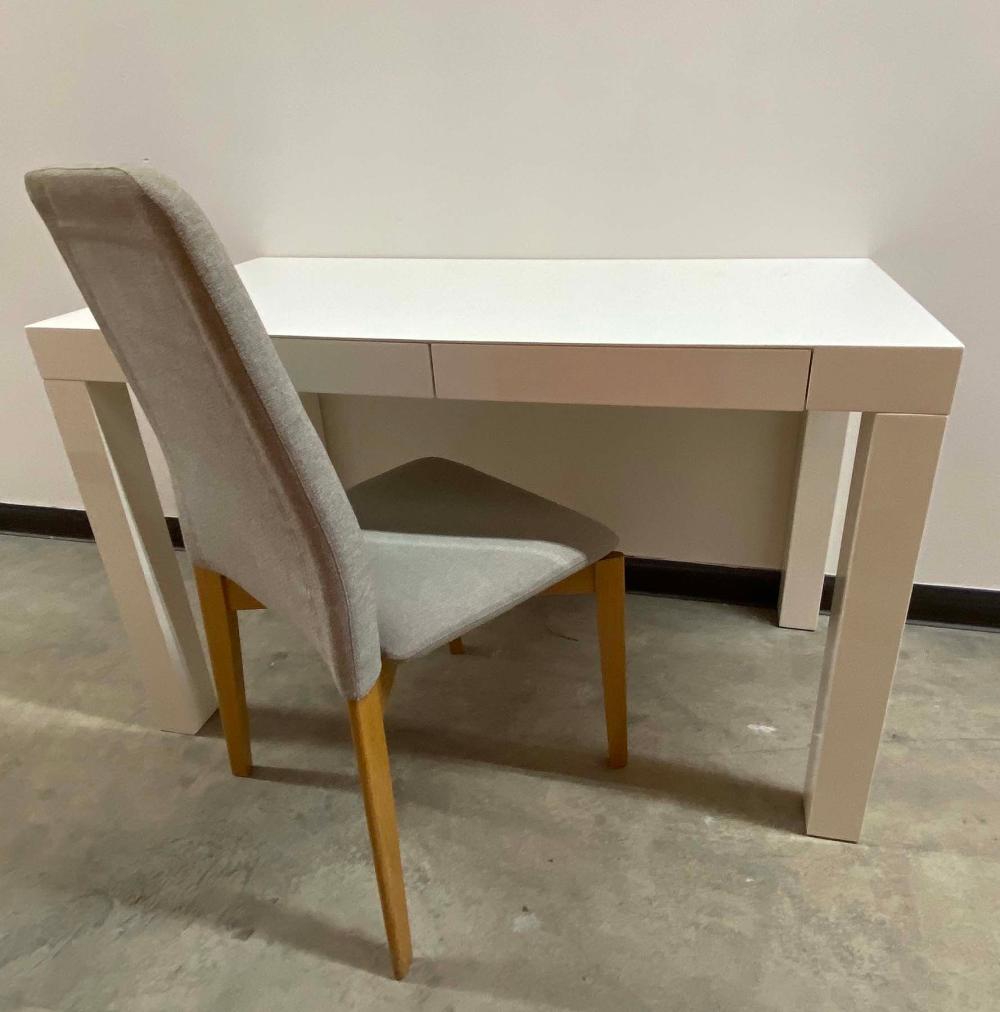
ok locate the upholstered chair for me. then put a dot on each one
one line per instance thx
(402, 564)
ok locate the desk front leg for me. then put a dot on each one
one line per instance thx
(821, 451)
(890, 492)
(101, 436)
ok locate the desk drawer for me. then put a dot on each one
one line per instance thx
(392, 369)
(765, 379)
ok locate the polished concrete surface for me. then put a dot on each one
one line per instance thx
(136, 874)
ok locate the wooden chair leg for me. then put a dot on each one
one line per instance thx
(609, 580)
(223, 633)
(456, 646)
(380, 811)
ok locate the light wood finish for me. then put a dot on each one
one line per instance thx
(821, 452)
(582, 582)
(380, 811)
(893, 473)
(606, 579)
(101, 436)
(222, 630)
(239, 599)
(609, 578)
(220, 598)
(765, 378)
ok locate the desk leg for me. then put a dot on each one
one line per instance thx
(821, 452)
(101, 436)
(890, 492)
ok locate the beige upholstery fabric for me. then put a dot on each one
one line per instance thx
(452, 547)
(445, 547)
(260, 501)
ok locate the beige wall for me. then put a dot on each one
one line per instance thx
(565, 128)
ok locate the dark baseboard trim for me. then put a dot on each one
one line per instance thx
(758, 588)
(728, 584)
(53, 522)
(966, 606)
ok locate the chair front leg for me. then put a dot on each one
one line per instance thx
(222, 631)
(609, 585)
(372, 754)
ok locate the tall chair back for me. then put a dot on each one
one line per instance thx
(260, 501)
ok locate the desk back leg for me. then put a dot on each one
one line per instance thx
(102, 440)
(890, 492)
(821, 453)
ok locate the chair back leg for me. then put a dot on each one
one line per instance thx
(222, 631)
(372, 753)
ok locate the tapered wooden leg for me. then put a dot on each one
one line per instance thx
(380, 812)
(609, 579)
(223, 633)
(456, 646)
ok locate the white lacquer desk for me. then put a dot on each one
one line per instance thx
(818, 337)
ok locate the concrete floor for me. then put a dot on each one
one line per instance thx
(137, 874)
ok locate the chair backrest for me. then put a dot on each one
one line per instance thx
(260, 501)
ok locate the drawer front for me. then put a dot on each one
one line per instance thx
(764, 379)
(315, 366)
(357, 367)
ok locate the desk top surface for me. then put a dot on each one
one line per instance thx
(796, 303)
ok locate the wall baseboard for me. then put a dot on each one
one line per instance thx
(54, 522)
(758, 588)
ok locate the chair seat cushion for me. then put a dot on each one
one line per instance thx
(451, 548)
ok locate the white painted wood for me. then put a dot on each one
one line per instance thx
(874, 347)
(101, 436)
(821, 451)
(800, 303)
(387, 368)
(70, 353)
(660, 377)
(909, 380)
(890, 491)
(843, 491)
(695, 333)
